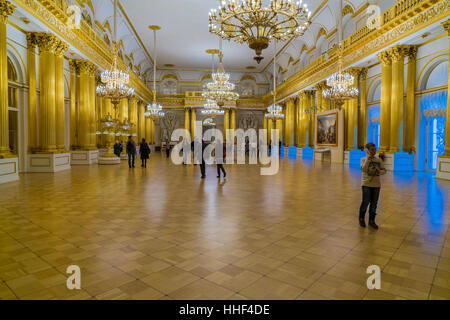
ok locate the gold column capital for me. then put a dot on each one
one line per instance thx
(6, 9)
(446, 26)
(385, 57)
(397, 53)
(321, 86)
(355, 71)
(72, 65)
(85, 66)
(31, 40)
(290, 100)
(47, 42)
(411, 52)
(363, 73)
(61, 48)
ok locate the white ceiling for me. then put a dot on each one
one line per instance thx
(185, 36)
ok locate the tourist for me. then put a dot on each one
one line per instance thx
(131, 151)
(219, 159)
(372, 167)
(167, 148)
(203, 164)
(144, 150)
(118, 149)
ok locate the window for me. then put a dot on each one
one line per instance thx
(13, 108)
(436, 132)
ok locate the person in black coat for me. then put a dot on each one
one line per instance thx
(144, 150)
(203, 163)
(131, 151)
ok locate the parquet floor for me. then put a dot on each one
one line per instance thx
(163, 233)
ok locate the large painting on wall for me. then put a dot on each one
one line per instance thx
(327, 129)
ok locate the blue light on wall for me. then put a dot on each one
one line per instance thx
(373, 127)
(433, 108)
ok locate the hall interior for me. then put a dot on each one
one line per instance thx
(67, 198)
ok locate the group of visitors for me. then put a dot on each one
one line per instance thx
(372, 168)
(144, 151)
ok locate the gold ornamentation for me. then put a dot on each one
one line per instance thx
(31, 40)
(47, 42)
(257, 25)
(6, 9)
(384, 57)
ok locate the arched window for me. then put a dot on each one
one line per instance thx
(13, 108)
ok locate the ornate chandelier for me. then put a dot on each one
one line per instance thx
(115, 82)
(249, 21)
(154, 110)
(220, 89)
(274, 112)
(340, 83)
(211, 109)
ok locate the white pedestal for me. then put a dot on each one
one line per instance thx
(346, 157)
(83, 157)
(108, 160)
(443, 168)
(389, 161)
(48, 162)
(9, 170)
(123, 156)
(101, 152)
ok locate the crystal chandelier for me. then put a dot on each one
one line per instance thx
(211, 109)
(252, 22)
(274, 112)
(154, 110)
(220, 89)
(115, 82)
(340, 83)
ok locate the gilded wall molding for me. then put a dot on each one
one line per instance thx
(85, 39)
(428, 13)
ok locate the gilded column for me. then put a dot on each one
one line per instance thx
(269, 130)
(152, 131)
(134, 115)
(226, 122)
(311, 118)
(59, 96)
(193, 118)
(187, 118)
(279, 127)
(84, 68)
(410, 101)
(307, 117)
(265, 125)
(297, 120)
(73, 106)
(397, 103)
(123, 110)
(385, 106)
(346, 109)
(6, 9)
(362, 123)
(301, 122)
(289, 118)
(141, 107)
(352, 140)
(446, 26)
(319, 90)
(148, 129)
(48, 44)
(92, 106)
(233, 119)
(32, 96)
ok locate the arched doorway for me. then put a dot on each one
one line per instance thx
(432, 116)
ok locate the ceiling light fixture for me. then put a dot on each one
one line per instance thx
(154, 110)
(340, 83)
(115, 82)
(252, 22)
(274, 112)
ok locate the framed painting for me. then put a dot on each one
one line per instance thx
(327, 129)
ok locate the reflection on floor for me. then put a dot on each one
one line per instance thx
(163, 233)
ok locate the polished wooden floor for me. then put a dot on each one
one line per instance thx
(163, 233)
